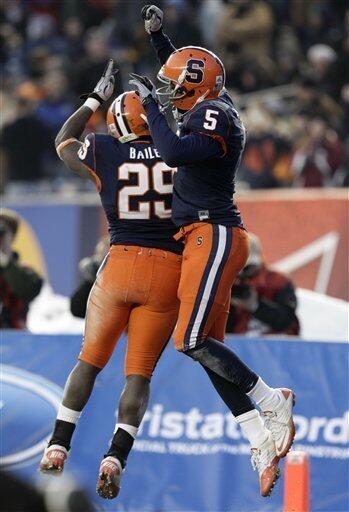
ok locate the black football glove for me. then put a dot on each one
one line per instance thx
(153, 17)
(146, 88)
(105, 87)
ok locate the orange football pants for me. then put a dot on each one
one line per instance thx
(213, 257)
(136, 288)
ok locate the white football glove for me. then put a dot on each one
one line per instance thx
(105, 87)
(153, 17)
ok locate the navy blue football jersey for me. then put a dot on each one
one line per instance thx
(203, 191)
(135, 191)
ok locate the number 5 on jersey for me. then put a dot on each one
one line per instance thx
(210, 119)
(150, 197)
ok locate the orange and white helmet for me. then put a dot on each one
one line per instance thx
(126, 118)
(192, 74)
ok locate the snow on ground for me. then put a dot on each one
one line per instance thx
(321, 317)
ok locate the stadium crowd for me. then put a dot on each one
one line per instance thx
(286, 64)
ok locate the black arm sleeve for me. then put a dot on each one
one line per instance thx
(175, 150)
(162, 45)
(281, 312)
(24, 282)
(78, 301)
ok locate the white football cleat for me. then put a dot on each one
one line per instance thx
(53, 459)
(265, 461)
(110, 472)
(280, 422)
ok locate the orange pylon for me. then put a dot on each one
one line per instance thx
(297, 483)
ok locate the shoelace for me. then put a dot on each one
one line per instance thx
(273, 425)
(256, 461)
(261, 458)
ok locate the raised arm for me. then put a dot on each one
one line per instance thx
(174, 150)
(68, 145)
(153, 18)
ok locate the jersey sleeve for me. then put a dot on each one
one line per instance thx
(88, 156)
(162, 46)
(211, 121)
(174, 150)
(87, 152)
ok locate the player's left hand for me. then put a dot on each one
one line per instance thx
(105, 86)
(250, 303)
(145, 87)
(153, 17)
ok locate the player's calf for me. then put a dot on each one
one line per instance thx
(224, 362)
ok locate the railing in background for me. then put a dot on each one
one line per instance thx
(305, 228)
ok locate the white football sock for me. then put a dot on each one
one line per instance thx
(253, 427)
(265, 397)
(66, 414)
(129, 428)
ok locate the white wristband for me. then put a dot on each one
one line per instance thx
(92, 103)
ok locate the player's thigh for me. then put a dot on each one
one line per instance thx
(151, 323)
(107, 312)
(203, 291)
(165, 281)
(148, 335)
(219, 323)
(197, 255)
(215, 321)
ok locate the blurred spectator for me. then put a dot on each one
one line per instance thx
(289, 57)
(56, 106)
(19, 285)
(24, 141)
(263, 301)
(74, 42)
(88, 269)
(318, 156)
(322, 59)
(89, 69)
(181, 23)
(248, 24)
(313, 103)
(266, 159)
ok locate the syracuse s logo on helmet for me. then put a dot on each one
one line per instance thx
(195, 71)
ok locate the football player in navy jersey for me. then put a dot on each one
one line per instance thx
(207, 152)
(136, 286)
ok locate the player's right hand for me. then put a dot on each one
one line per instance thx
(105, 86)
(153, 17)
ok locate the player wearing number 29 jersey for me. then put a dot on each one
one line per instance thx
(136, 286)
(135, 187)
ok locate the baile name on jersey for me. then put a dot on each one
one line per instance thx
(145, 153)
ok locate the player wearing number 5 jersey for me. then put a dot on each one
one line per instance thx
(136, 286)
(207, 153)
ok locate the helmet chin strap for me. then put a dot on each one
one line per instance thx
(201, 98)
(177, 114)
